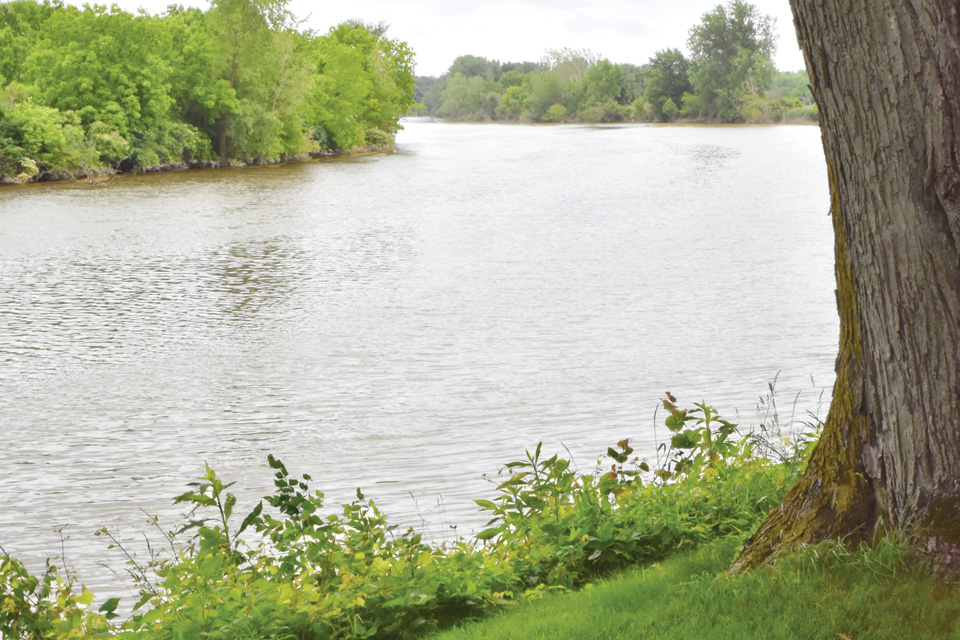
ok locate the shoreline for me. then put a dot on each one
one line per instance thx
(628, 123)
(47, 177)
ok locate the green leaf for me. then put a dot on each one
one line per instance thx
(486, 504)
(675, 422)
(685, 440)
(109, 607)
(196, 498)
(230, 502)
(86, 596)
(486, 534)
(616, 455)
(252, 517)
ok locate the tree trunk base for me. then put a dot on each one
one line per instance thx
(827, 503)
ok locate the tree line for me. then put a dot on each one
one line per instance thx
(85, 89)
(729, 77)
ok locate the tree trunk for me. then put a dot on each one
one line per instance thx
(222, 143)
(886, 75)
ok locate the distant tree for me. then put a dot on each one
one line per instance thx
(389, 64)
(512, 78)
(602, 90)
(603, 81)
(107, 67)
(522, 67)
(794, 85)
(667, 79)
(471, 66)
(633, 82)
(556, 113)
(202, 95)
(469, 98)
(731, 50)
(21, 26)
(427, 91)
(542, 90)
(85, 88)
(244, 41)
(669, 110)
(340, 89)
(32, 133)
(513, 101)
(569, 65)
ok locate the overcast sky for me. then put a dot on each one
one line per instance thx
(518, 30)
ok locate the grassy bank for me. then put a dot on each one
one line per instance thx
(292, 568)
(825, 593)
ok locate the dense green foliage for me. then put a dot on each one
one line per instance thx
(289, 570)
(823, 593)
(731, 50)
(729, 78)
(98, 88)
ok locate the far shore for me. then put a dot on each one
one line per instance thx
(625, 123)
(98, 173)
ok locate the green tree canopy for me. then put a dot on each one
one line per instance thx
(667, 79)
(470, 66)
(731, 50)
(92, 87)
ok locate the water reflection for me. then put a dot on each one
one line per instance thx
(249, 276)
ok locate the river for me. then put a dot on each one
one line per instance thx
(404, 323)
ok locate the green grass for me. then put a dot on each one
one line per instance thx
(823, 593)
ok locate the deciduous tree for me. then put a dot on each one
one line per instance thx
(886, 75)
(731, 46)
(668, 79)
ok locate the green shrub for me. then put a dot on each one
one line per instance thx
(111, 147)
(564, 529)
(801, 114)
(670, 110)
(556, 113)
(377, 137)
(33, 608)
(48, 136)
(606, 111)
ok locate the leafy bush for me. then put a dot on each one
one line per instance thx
(289, 571)
(606, 111)
(555, 113)
(110, 145)
(670, 110)
(33, 608)
(564, 529)
(377, 137)
(809, 114)
(48, 136)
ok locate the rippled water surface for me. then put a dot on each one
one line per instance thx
(404, 323)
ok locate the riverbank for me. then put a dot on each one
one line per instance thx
(614, 554)
(628, 123)
(351, 575)
(94, 173)
(863, 593)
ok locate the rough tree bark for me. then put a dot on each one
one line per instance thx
(886, 75)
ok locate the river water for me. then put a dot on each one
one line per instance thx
(403, 323)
